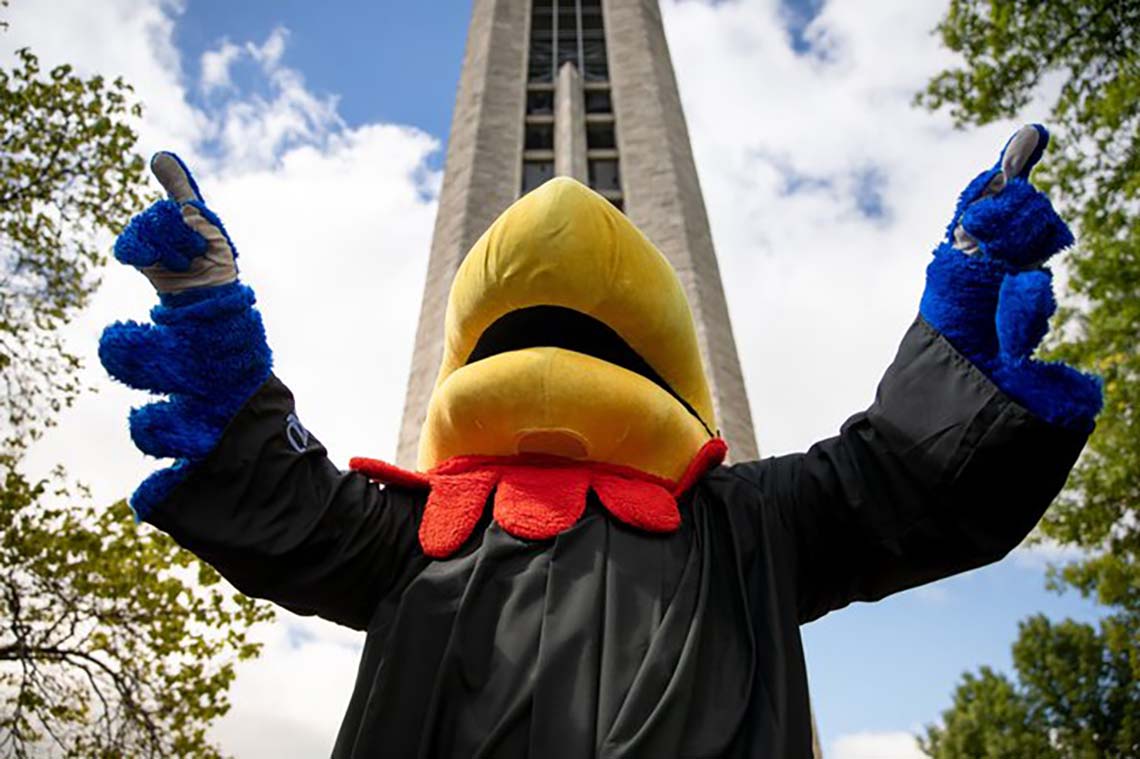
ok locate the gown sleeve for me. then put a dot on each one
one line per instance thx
(943, 473)
(278, 520)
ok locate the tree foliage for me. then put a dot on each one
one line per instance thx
(68, 173)
(1077, 693)
(1077, 697)
(113, 641)
(116, 642)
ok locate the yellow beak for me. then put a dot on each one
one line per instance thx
(568, 332)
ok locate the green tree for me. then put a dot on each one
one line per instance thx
(1077, 697)
(1076, 694)
(113, 641)
(68, 173)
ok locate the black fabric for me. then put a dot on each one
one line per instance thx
(609, 642)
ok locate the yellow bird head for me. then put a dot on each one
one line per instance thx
(568, 333)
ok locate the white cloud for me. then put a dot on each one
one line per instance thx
(269, 53)
(216, 65)
(288, 702)
(333, 227)
(820, 292)
(252, 131)
(875, 745)
(131, 38)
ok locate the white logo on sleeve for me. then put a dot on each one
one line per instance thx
(296, 433)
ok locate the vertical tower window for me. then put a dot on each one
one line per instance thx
(561, 32)
(604, 174)
(535, 173)
(541, 62)
(539, 136)
(598, 101)
(600, 134)
(540, 103)
(595, 67)
(567, 31)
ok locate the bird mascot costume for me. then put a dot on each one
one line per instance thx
(571, 570)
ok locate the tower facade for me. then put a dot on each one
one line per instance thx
(582, 88)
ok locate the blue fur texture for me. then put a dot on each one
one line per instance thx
(1054, 391)
(1018, 225)
(158, 236)
(1025, 305)
(973, 191)
(207, 350)
(960, 301)
(157, 487)
(994, 306)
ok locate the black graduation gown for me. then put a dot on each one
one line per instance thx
(609, 642)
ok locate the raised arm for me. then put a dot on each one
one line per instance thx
(969, 438)
(250, 490)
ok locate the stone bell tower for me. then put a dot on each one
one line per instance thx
(582, 88)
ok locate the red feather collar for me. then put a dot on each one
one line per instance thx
(537, 496)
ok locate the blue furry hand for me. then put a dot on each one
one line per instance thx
(205, 348)
(178, 243)
(990, 294)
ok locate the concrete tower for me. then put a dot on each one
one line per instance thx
(583, 88)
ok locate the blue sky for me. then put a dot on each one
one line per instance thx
(826, 191)
(385, 61)
(348, 48)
